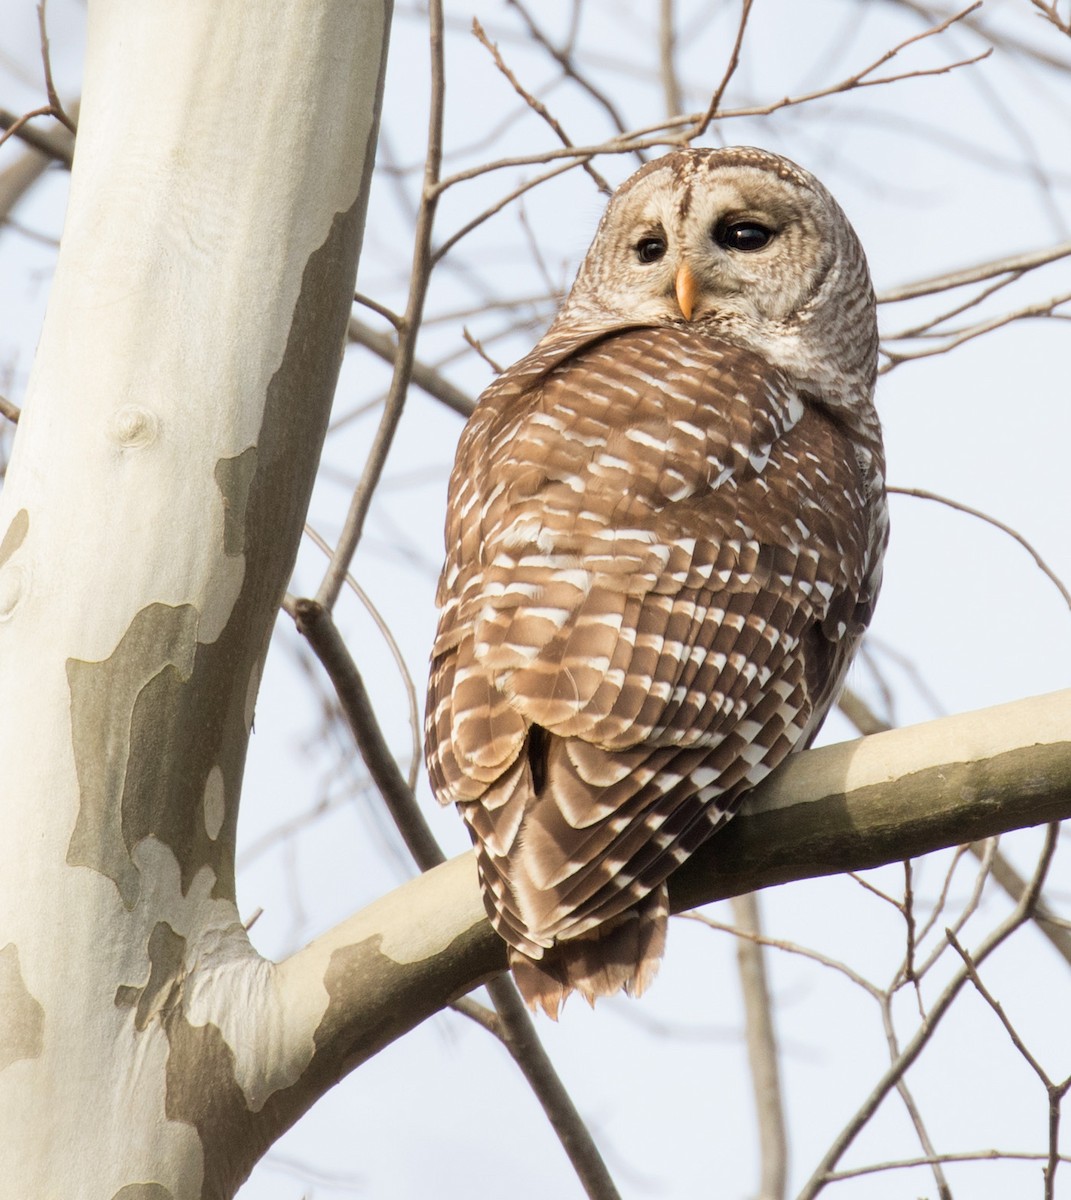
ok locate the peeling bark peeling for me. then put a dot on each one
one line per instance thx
(150, 518)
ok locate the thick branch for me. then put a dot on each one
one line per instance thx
(852, 806)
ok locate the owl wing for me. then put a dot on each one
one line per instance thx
(659, 558)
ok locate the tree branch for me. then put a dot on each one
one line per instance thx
(852, 806)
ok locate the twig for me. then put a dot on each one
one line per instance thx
(659, 133)
(56, 104)
(1014, 885)
(1017, 264)
(361, 501)
(519, 1037)
(565, 61)
(478, 1013)
(671, 87)
(392, 646)
(915, 1046)
(1050, 13)
(1001, 38)
(946, 887)
(9, 410)
(762, 1050)
(16, 124)
(955, 338)
(1055, 1091)
(57, 144)
(923, 494)
(969, 1156)
(909, 974)
(816, 956)
(476, 345)
(387, 314)
(316, 624)
(499, 205)
(536, 105)
(700, 126)
(426, 378)
(908, 1099)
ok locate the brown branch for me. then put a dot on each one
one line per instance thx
(918, 1042)
(514, 1026)
(1050, 13)
(9, 410)
(316, 624)
(762, 1050)
(535, 104)
(386, 313)
(17, 124)
(1014, 264)
(671, 87)
(565, 61)
(55, 103)
(955, 338)
(1046, 570)
(361, 501)
(426, 378)
(478, 347)
(57, 144)
(1055, 1091)
(969, 1156)
(518, 1035)
(700, 126)
(1015, 885)
(499, 205)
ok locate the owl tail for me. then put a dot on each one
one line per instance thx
(623, 953)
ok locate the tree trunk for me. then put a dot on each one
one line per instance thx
(148, 525)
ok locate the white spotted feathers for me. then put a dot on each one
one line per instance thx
(664, 541)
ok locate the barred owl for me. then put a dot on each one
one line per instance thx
(664, 542)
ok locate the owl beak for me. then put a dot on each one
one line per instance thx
(686, 288)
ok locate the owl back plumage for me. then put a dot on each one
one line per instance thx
(663, 544)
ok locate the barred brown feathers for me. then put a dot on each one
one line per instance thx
(664, 541)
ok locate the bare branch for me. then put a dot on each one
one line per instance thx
(403, 363)
(762, 1050)
(426, 378)
(55, 103)
(700, 126)
(922, 494)
(536, 105)
(57, 144)
(513, 1025)
(569, 70)
(1015, 885)
(671, 87)
(954, 338)
(316, 624)
(518, 1034)
(1015, 264)
(926, 1029)
(11, 411)
(969, 1156)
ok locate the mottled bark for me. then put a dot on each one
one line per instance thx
(149, 522)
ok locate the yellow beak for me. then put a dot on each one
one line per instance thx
(686, 289)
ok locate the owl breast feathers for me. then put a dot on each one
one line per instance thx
(664, 541)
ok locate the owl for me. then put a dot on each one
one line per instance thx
(664, 538)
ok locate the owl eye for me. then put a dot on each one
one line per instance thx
(743, 235)
(650, 249)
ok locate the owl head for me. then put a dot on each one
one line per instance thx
(743, 244)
